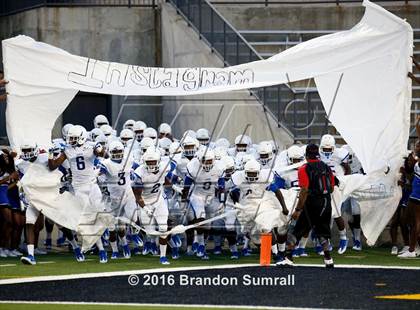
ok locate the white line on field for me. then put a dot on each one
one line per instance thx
(153, 305)
(8, 265)
(177, 269)
(46, 262)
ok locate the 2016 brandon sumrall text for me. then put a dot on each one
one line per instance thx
(217, 280)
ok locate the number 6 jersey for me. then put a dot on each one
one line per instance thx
(81, 159)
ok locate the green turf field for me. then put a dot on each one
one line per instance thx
(64, 263)
(92, 307)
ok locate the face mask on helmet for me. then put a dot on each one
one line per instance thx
(327, 151)
(189, 150)
(229, 171)
(152, 166)
(29, 153)
(241, 147)
(139, 134)
(252, 176)
(116, 154)
(72, 140)
(265, 158)
(207, 164)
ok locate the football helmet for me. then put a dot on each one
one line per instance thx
(203, 136)
(165, 129)
(65, 130)
(107, 130)
(175, 148)
(29, 150)
(94, 133)
(242, 143)
(295, 154)
(206, 158)
(151, 159)
(265, 152)
(222, 142)
(126, 135)
(189, 146)
(138, 129)
(219, 152)
(150, 133)
(145, 143)
(228, 165)
(165, 144)
(76, 135)
(252, 170)
(116, 150)
(327, 146)
(100, 120)
(129, 124)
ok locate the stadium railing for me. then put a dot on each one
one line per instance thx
(9, 7)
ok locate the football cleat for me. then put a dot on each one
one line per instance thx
(394, 250)
(246, 252)
(28, 260)
(79, 255)
(164, 261)
(115, 255)
(136, 251)
(103, 258)
(138, 241)
(286, 262)
(38, 251)
(200, 250)
(205, 256)
(154, 249)
(234, 255)
(357, 246)
(126, 251)
(330, 247)
(407, 254)
(9, 253)
(342, 247)
(146, 248)
(329, 263)
(217, 250)
(190, 253)
(195, 247)
(48, 243)
(404, 249)
(319, 250)
(175, 253)
(302, 252)
(17, 252)
(295, 252)
(278, 259)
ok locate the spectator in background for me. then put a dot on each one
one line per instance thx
(3, 83)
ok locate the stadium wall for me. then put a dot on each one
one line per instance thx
(308, 17)
(181, 47)
(126, 35)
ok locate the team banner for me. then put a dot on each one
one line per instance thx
(361, 76)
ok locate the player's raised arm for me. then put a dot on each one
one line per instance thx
(54, 163)
(137, 187)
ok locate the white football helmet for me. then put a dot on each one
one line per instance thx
(165, 129)
(151, 159)
(29, 150)
(242, 143)
(145, 143)
(165, 144)
(222, 142)
(175, 148)
(138, 129)
(252, 170)
(228, 165)
(189, 133)
(203, 136)
(94, 133)
(150, 133)
(76, 135)
(219, 152)
(116, 150)
(206, 158)
(107, 130)
(265, 152)
(126, 135)
(189, 146)
(295, 154)
(100, 120)
(327, 146)
(102, 140)
(129, 124)
(65, 130)
(246, 158)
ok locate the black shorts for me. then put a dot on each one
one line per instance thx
(316, 215)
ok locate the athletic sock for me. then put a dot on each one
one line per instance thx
(31, 249)
(356, 234)
(100, 245)
(189, 248)
(282, 247)
(233, 248)
(200, 239)
(343, 234)
(73, 244)
(48, 236)
(302, 242)
(114, 246)
(246, 242)
(162, 248)
(123, 240)
(274, 249)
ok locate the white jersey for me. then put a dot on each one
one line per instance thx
(117, 177)
(252, 193)
(181, 165)
(290, 178)
(82, 163)
(339, 156)
(205, 182)
(23, 165)
(151, 183)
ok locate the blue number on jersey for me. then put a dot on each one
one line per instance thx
(80, 163)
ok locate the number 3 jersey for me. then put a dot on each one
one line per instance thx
(116, 176)
(81, 160)
(205, 182)
(151, 183)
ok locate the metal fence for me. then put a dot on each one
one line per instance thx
(8, 7)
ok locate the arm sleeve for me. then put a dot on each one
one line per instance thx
(277, 183)
(221, 183)
(188, 181)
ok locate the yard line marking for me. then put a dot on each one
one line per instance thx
(177, 269)
(8, 265)
(46, 262)
(401, 297)
(155, 305)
